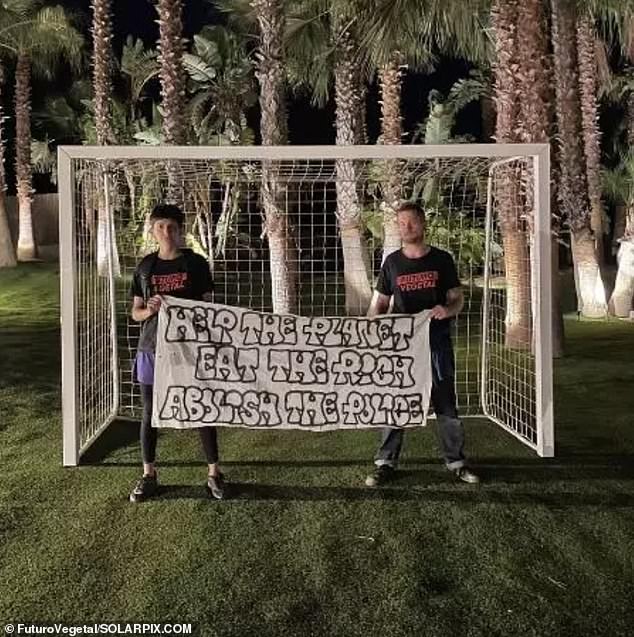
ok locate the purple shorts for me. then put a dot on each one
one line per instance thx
(143, 369)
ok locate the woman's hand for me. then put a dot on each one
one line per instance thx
(153, 305)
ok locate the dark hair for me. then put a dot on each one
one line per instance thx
(412, 206)
(168, 211)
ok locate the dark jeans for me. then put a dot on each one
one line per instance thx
(149, 435)
(448, 425)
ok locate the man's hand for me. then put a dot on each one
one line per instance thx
(153, 305)
(439, 312)
(379, 304)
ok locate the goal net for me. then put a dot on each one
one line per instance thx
(304, 230)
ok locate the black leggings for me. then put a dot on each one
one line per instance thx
(149, 435)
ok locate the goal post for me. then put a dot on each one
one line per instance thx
(488, 205)
(539, 262)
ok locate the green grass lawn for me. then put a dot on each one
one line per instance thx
(542, 547)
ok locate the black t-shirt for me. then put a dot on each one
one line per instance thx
(186, 277)
(420, 284)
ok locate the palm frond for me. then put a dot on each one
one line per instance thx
(52, 38)
(615, 19)
(240, 16)
(198, 69)
(43, 159)
(397, 25)
(618, 183)
(309, 49)
(139, 64)
(467, 90)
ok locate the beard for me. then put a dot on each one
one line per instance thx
(413, 238)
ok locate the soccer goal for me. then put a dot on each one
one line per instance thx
(304, 230)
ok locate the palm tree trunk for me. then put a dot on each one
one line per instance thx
(361, 132)
(557, 317)
(517, 274)
(350, 125)
(573, 191)
(534, 73)
(171, 73)
(630, 120)
(102, 87)
(391, 133)
(514, 237)
(536, 124)
(504, 15)
(591, 132)
(172, 78)
(102, 76)
(488, 116)
(622, 299)
(590, 286)
(274, 129)
(7, 253)
(102, 83)
(26, 241)
(559, 336)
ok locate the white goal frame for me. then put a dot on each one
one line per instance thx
(537, 154)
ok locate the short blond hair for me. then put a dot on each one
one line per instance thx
(413, 207)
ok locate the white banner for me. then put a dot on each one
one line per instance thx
(222, 365)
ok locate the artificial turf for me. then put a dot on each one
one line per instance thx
(541, 547)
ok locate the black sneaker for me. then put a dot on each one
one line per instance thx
(466, 475)
(381, 474)
(145, 488)
(216, 486)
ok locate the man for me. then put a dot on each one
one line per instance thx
(174, 271)
(421, 277)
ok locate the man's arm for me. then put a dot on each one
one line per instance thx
(379, 304)
(455, 303)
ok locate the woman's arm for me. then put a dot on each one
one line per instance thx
(141, 311)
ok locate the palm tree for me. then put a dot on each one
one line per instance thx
(271, 76)
(619, 186)
(630, 120)
(616, 26)
(222, 87)
(504, 16)
(39, 40)
(537, 122)
(102, 87)
(322, 43)
(536, 119)
(388, 46)
(102, 70)
(588, 84)
(7, 253)
(573, 191)
(408, 33)
(390, 80)
(172, 72)
(350, 124)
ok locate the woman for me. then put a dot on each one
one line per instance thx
(179, 272)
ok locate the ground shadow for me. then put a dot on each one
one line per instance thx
(242, 492)
(569, 465)
(118, 435)
(414, 470)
